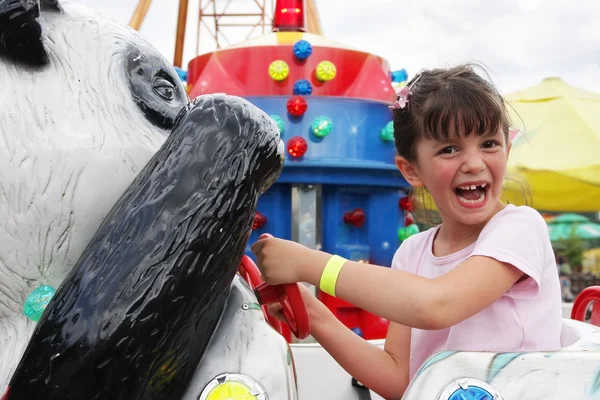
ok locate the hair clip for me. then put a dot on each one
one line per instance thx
(402, 96)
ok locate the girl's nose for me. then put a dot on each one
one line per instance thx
(473, 162)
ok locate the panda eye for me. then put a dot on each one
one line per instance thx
(163, 88)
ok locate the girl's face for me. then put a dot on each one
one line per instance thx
(464, 175)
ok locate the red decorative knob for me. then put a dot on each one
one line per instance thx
(259, 221)
(297, 146)
(296, 106)
(404, 204)
(408, 219)
(355, 217)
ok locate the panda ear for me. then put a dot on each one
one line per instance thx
(21, 32)
(50, 5)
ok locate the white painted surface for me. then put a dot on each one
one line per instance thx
(320, 377)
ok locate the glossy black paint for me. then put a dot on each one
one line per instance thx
(158, 93)
(134, 316)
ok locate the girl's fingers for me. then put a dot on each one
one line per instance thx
(275, 310)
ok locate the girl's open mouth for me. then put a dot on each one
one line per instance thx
(472, 194)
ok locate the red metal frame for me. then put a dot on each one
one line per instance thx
(222, 17)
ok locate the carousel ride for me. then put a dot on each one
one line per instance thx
(323, 109)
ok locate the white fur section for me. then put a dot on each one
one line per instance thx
(12, 332)
(71, 141)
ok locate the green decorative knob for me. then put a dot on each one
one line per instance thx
(280, 123)
(387, 133)
(412, 229)
(321, 126)
(37, 301)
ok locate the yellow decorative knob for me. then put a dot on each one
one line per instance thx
(325, 71)
(279, 70)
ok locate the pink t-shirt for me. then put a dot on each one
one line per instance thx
(526, 318)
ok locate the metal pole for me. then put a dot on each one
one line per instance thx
(180, 39)
(139, 14)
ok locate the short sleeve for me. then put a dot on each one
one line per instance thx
(399, 261)
(517, 236)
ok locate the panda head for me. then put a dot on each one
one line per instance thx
(46, 36)
(86, 102)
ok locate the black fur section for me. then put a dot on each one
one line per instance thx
(21, 33)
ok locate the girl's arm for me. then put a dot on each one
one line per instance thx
(416, 301)
(384, 371)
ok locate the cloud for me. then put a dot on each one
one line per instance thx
(519, 41)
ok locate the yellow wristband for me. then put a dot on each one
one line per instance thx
(330, 274)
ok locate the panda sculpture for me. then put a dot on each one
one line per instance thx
(136, 205)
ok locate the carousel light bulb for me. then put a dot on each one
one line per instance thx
(279, 70)
(412, 229)
(404, 204)
(289, 16)
(408, 219)
(297, 146)
(399, 76)
(37, 301)
(387, 133)
(296, 106)
(326, 71)
(279, 122)
(355, 217)
(302, 49)
(321, 126)
(402, 233)
(302, 87)
(259, 221)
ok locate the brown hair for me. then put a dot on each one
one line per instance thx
(448, 102)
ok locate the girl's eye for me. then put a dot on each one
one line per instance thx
(448, 150)
(488, 144)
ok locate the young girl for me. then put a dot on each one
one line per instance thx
(483, 280)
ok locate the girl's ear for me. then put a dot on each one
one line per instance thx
(409, 171)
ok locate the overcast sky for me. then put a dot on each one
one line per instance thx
(520, 41)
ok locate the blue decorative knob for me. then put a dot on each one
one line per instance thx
(302, 87)
(399, 76)
(302, 49)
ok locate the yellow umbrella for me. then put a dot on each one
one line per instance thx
(591, 261)
(559, 154)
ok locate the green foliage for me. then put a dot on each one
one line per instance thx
(573, 249)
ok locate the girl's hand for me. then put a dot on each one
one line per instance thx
(283, 261)
(312, 304)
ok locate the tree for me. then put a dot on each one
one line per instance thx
(573, 250)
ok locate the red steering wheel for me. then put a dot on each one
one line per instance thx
(251, 275)
(288, 295)
(583, 300)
